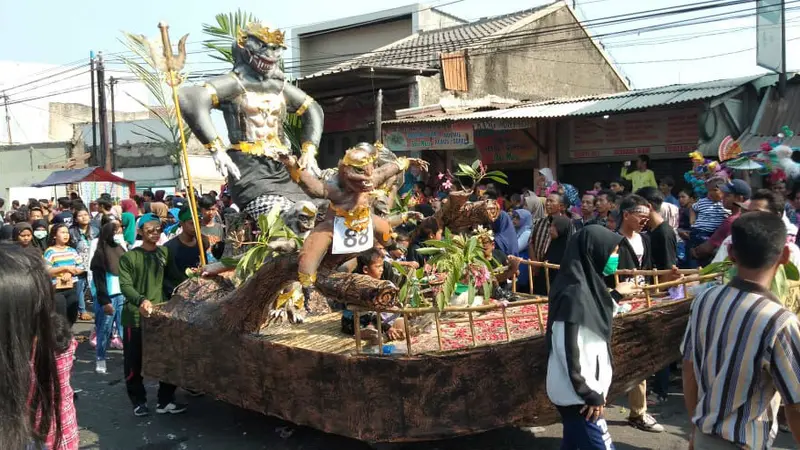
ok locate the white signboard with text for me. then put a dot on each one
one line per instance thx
(625, 136)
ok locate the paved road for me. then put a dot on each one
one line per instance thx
(107, 422)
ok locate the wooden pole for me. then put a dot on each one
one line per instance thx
(378, 115)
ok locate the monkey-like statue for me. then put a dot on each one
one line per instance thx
(349, 226)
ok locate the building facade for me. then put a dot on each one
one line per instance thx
(514, 56)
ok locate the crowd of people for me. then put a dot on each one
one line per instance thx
(740, 352)
(62, 258)
(123, 259)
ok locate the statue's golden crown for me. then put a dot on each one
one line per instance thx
(263, 33)
(358, 157)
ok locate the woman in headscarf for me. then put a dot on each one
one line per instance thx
(129, 206)
(523, 221)
(580, 311)
(505, 237)
(129, 228)
(40, 232)
(22, 234)
(105, 272)
(160, 210)
(546, 182)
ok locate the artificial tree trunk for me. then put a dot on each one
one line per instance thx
(460, 215)
(217, 303)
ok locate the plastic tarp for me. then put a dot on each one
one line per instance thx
(87, 174)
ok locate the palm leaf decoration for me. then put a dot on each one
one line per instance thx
(144, 68)
(221, 37)
(224, 33)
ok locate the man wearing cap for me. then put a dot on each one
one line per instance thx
(141, 280)
(735, 193)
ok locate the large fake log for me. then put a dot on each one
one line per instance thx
(460, 215)
(393, 399)
(216, 303)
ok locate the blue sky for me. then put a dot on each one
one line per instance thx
(59, 32)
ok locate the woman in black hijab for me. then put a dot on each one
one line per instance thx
(105, 272)
(40, 234)
(580, 312)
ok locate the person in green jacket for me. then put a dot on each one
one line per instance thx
(642, 177)
(141, 279)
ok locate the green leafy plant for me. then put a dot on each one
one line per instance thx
(146, 70)
(402, 203)
(477, 172)
(459, 259)
(225, 32)
(273, 233)
(410, 293)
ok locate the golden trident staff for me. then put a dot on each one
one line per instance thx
(172, 65)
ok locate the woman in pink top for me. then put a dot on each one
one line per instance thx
(29, 383)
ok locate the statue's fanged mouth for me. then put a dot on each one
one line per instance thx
(261, 63)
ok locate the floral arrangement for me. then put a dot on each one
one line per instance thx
(456, 259)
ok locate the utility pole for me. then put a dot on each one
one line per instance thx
(378, 115)
(94, 110)
(111, 82)
(8, 117)
(101, 100)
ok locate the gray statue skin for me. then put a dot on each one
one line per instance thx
(254, 99)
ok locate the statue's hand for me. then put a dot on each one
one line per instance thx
(421, 163)
(308, 161)
(225, 166)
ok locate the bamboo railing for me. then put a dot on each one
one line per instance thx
(477, 314)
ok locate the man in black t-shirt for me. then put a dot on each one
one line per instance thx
(65, 214)
(183, 252)
(664, 256)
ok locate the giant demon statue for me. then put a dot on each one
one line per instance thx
(349, 226)
(254, 99)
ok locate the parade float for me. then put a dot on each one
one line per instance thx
(271, 342)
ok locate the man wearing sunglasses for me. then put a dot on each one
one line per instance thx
(141, 279)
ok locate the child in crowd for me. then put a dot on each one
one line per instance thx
(65, 356)
(706, 216)
(370, 263)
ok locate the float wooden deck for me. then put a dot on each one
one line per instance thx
(319, 333)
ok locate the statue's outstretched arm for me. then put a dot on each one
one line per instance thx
(310, 112)
(387, 171)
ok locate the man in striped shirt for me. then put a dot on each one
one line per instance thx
(741, 351)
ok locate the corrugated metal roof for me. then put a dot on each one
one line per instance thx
(778, 112)
(606, 103)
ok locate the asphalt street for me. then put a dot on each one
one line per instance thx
(107, 422)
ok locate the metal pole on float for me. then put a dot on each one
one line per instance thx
(173, 68)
